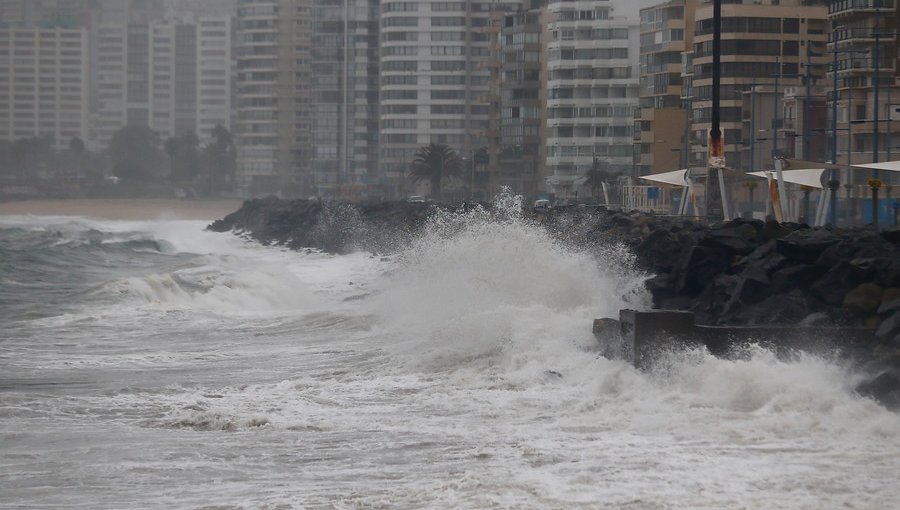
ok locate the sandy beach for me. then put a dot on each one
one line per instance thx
(124, 209)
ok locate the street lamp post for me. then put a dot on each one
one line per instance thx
(874, 183)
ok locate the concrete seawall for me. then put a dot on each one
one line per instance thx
(638, 337)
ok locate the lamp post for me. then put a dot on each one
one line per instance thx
(833, 182)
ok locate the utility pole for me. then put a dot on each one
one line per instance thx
(753, 126)
(806, 100)
(833, 182)
(875, 183)
(716, 202)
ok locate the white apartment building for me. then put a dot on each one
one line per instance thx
(592, 87)
(44, 84)
(433, 79)
(170, 76)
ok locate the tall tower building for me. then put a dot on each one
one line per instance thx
(273, 124)
(764, 44)
(516, 110)
(44, 84)
(659, 127)
(172, 77)
(591, 90)
(344, 99)
(432, 80)
(865, 36)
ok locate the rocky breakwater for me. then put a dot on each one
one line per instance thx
(741, 272)
(749, 272)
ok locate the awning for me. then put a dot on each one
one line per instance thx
(675, 178)
(811, 177)
(890, 166)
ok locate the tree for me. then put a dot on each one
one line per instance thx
(135, 154)
(596, 176)
(31, 157)
(219, 161)
(435, 163)
(171, 148)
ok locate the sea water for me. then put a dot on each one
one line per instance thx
(158, 365)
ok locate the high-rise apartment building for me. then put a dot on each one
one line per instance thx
(517, 120)
(45, 13)
(344, 99)
(865, 36)
(591, 89)
(272, 128)
(764, 43)
(44, 84)
(660, 126)
(172, 77)
(433, 79)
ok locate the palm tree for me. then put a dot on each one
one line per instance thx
(435, 162)
(596, 176)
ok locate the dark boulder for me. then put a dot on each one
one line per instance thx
(805, 246)
(864, 299)
(800, 276)
(885, 388)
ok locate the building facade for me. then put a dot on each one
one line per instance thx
(591, 90)
(273, 123)
(864, 41)
(660, 126)
(44, 84)
(517, 116)
(773, 43)
(172, 77)
(433, 80)
(344, 99)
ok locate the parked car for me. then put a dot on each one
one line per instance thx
(416, 199)
(542, 203)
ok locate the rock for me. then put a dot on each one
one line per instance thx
(815, 319)
(864, 299)
(737, 238)
(835, 284)
(787, 308)
(805, 246)
(885, 388)
(888, 306)
(697, 267)
(800, 276)
(889, 327)
(754, 286)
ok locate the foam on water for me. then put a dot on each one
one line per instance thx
(461, 373)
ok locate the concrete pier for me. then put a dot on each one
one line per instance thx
(640, 336)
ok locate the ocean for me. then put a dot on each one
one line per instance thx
(153, 364)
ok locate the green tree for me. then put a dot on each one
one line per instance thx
(435, 163)
(31, 157)
(135, 154)
(171, 148)
(219, 161)
(596, 176)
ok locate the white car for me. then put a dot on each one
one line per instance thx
(542, 204)
(416, 199)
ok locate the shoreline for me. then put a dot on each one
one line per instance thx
(124, 208)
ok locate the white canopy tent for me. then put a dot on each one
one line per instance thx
(811, 177)
(889, 166)
(674, 178)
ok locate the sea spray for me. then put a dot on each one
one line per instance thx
(417, 393)
(478, 281)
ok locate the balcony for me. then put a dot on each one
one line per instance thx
(852, 34)
(852, 7)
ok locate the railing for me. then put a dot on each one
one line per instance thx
(847, 5)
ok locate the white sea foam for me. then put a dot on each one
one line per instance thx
(462, 374)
